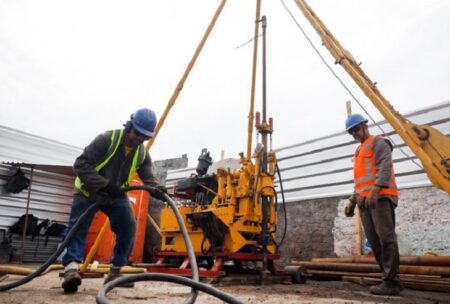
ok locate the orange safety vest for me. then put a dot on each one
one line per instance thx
(365, 172)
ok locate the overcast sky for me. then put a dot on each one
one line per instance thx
(72, 69)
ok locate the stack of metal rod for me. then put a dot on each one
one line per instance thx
(427, 272)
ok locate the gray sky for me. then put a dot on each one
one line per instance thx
(72, 69)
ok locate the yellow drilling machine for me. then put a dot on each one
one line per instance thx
(230, 214)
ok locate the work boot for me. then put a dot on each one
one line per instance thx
(114, 273)
(72, 280)
(387, 288)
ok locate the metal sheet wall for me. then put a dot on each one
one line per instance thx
(20, 147)
(322, 167)
(51, 192)
(50, 197)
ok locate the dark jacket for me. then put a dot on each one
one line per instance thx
(116, 170)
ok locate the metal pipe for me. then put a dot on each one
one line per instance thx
(337, 274)
(403, 277)
(95, 246)
(264, 28)
(264, 237)
(27, 271)
(409, 284)
(427, 270)
(252, 92)
(154, 224)
(427, 260)
(25, 225)
(264, 95)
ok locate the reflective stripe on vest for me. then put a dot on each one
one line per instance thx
(138, 159)
(364, 171)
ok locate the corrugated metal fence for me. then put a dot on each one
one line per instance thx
(323, 167)
(52, 181)
(50, 197)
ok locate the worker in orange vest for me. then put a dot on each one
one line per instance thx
(376, 195)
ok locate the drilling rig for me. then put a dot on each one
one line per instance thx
(230, 214)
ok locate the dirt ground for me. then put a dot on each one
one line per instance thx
(46, 289)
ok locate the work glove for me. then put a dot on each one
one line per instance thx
(158, 192)
(113, 190)
(350, 208)
(372, 199)
(162, 188)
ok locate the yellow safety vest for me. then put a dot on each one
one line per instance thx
(138, 159)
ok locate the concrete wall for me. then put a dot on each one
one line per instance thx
(160, 167)
(318, 227)
(309, 231)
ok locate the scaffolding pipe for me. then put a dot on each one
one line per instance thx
(25, 225)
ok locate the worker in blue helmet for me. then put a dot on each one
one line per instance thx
(105, 167)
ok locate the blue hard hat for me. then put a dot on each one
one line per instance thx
(144, 121)
(354, 120)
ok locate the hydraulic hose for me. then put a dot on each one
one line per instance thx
(53, 257)
(284, 205)
(189, 248)
(101, 296)
(194, 283)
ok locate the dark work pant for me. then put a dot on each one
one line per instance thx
(379, 227)
(123, 224)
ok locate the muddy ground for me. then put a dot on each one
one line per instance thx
(46, 289)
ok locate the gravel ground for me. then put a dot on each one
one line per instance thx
(46, 289)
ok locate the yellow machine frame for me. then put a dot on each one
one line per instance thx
(237, 205)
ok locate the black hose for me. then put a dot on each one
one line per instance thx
(189, 248)
(204, 251)
(284, 205)
(194, 283)
(101, 295)
(53, 257)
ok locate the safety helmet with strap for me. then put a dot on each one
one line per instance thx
(354, 120)
(144, 121)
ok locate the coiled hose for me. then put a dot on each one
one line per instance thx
(101, 295)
